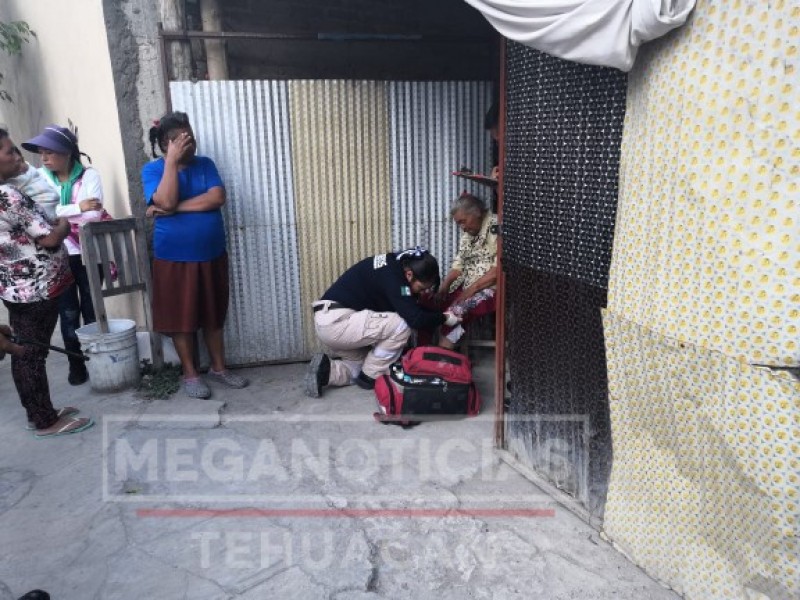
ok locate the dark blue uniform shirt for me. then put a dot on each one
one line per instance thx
(379, 283)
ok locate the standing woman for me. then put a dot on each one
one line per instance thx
(80, 201)
(190, 270)
(34, 272)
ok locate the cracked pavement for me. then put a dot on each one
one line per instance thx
(264, 493)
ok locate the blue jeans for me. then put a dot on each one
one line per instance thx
(74, 303)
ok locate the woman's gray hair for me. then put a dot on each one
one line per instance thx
(469, 205)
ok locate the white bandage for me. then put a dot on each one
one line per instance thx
(456, 334)
(452, 320)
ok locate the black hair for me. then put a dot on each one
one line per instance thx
(423, 266)
(75, 155)
(161, 128)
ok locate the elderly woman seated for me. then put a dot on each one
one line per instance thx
(468, 290)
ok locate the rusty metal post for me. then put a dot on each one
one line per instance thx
(500, 315)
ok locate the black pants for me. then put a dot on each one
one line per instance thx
(35, 321)
(75, 303)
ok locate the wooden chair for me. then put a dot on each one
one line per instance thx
(123, 243)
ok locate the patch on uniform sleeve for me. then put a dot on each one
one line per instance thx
(405, 290)
(378, 261)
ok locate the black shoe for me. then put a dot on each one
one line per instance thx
(318, 375)
(365, 382)
(77, 375)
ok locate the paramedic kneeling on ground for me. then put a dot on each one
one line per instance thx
(367, 315)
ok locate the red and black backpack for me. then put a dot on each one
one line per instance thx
(427, 381)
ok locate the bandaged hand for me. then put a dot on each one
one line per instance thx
(451, 319)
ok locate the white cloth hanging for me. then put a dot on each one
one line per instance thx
(596, 32)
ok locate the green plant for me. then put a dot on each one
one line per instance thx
(159, 384)
(12, 37)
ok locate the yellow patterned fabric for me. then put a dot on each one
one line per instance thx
(704, 486)
(707, 242)
(340, 168)
(704, 287)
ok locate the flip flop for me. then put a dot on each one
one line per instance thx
(74, 425)
(67, 411)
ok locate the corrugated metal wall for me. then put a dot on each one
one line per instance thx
(320, 174)
(340, 142)
(436, 128)
(244, 127)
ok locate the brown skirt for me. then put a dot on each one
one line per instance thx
(188, 296)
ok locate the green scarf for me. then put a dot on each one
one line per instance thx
(66, 186)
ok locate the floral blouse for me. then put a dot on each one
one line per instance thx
(28, 272)
(476, 253)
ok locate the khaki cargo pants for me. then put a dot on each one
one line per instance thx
(363, 340)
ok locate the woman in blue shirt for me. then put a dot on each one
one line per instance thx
(190, 270)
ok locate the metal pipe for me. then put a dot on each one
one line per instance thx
(321, 37)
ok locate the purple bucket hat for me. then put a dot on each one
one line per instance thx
(53, 138)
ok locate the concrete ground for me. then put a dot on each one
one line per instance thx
(264, 493)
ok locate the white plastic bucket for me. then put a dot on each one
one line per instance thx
(113, 363)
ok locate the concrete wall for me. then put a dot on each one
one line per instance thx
(65, 73)
(133, 47)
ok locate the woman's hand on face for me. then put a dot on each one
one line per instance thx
(90, 204)
(179, 148)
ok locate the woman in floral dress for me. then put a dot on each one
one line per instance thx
(34, 272)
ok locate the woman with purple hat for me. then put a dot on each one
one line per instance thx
(81, 201)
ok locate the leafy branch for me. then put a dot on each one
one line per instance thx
(12, 37)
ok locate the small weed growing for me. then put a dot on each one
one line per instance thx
(159, 384)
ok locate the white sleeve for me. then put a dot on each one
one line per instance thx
(70, 210)
(91, 187)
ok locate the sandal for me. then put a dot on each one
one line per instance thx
(228, 378)
(67, 411)
(70, 425)
(196, 388)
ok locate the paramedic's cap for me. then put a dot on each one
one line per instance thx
(53, 138)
